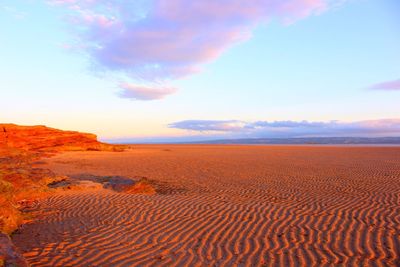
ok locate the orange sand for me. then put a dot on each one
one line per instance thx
(224, 206)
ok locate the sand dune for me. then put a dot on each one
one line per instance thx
(224, 206)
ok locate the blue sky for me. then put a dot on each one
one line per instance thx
(137, 74)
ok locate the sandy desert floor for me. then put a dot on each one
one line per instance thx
(224, 206)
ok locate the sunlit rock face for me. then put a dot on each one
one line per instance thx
(22, 178)
(49, 139)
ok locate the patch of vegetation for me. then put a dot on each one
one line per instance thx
(143, 186)
(20, 183)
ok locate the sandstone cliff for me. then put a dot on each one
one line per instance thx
(42, 138)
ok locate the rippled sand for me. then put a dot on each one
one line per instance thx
(224, 206)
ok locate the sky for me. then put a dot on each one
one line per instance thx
(151, 70)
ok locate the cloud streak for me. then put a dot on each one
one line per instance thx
(285, 129)
(209, 125)
(159, 40)
(388, 86)
(139, 92)
(15, 13)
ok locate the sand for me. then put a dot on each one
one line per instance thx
(224, 206)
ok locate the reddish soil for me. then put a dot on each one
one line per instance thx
(223, 206)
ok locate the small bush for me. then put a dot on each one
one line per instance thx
(143, 186)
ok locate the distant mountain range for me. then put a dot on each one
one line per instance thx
(309, 140)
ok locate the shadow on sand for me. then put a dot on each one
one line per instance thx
(116, 183)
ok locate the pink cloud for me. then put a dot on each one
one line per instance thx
(140, 92)
(390, 85)
(383, 127)
(170, 39)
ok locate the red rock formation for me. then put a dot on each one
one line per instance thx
(39, 138)
(20, 146)
(21, 183)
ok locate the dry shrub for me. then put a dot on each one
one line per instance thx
(143, 186)
(19, 183)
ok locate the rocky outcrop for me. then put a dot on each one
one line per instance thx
(20, 147)
(21, 183)
(42, 138)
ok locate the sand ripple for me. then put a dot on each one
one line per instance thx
(241, 206)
